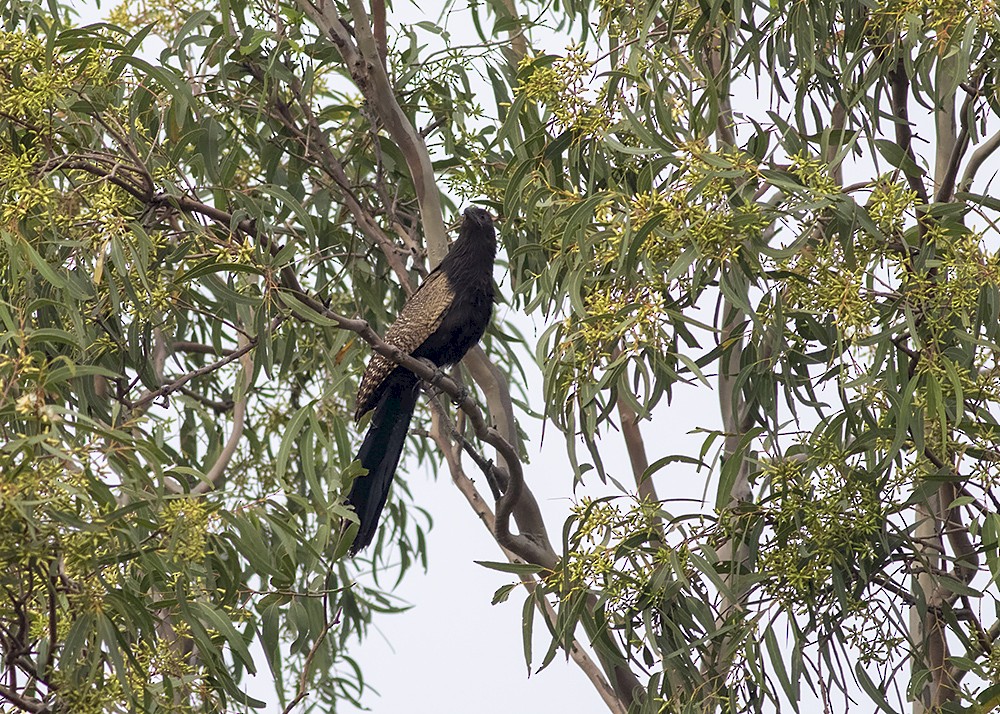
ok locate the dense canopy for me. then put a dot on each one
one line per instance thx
(209, 214)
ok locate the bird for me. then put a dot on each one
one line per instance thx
(440, 322)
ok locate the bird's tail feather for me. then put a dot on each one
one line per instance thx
(380, 453)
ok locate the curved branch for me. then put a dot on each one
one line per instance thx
(215, 474)
(368, 73)
(978, 158)
(496, 391)
(468, 489)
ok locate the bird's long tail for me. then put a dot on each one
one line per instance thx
(380, 453)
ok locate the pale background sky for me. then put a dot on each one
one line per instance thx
(454, 652)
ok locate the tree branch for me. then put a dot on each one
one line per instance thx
(496, 391)
(218, 470)
(363, 62)
(978, 158)
(636, 450)
(734, 550)
(23, 703)
(959, 146)
(179, 382)
(900, 85)
(468, 489)
(303, 690)
(314, 142)
(198, 348)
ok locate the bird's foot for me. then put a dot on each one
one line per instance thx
(462, 394)
(439, 373)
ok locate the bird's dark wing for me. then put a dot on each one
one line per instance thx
(421, 316)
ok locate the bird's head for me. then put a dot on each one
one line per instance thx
(478, 217)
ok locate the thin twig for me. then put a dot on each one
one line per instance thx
(303, 691)
(176, 384)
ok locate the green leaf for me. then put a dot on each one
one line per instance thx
(290, 438)
(224, 626)
(516, 568)
(874, 692)
(898, 158)
(527, 624)
(113, 647)
(790, 688)
(51, 276)
(503, 593)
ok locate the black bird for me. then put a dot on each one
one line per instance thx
(441, 321)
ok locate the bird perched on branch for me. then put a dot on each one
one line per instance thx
(441, 321)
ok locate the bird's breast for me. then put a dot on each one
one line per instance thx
(461, 327)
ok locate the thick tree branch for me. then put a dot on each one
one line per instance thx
(949, 146)
(734, 552)
(363, 61)
(636, 451)
(496, 391)
(218, 470)
(929, 628)
(518, 42)
(900, 92)
(978, 158)
(379, 30)
(23, 703)
(959, 145)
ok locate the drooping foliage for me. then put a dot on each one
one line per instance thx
(794, 199)
(176, 422)
(787, 205)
